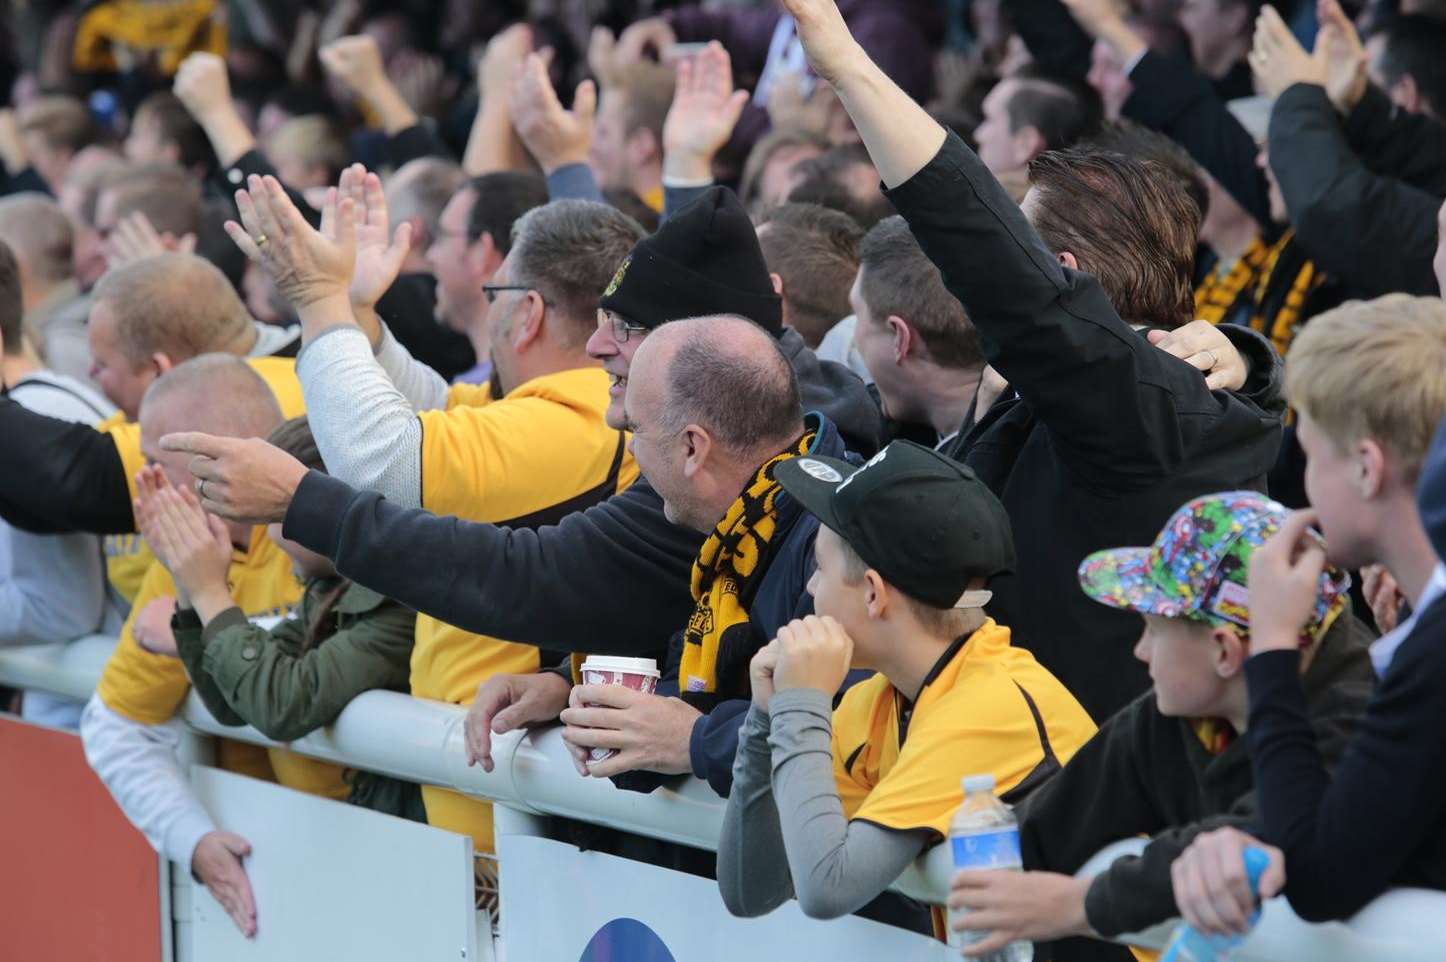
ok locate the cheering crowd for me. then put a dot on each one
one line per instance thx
(1048, 389)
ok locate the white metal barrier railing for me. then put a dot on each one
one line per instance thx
(422, 741)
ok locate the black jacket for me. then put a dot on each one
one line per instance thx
(613, 579)
(1374, 232)
(1381, 821)
(1393, 143)
(1108, 435)
(1144, 773)
(409, 307)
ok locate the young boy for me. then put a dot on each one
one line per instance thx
(1366, 382)
(1171, 764)
(831, 806)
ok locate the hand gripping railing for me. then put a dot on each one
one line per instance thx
(422, 741)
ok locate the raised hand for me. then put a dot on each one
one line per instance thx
(379, 252)
(502, 59)
(792, 107)
(195, 547)
(826, 40)
(202, 85)
(1201, 345)
(1340, 48)
(633, 44)
(555, 137)
(704, 112)
(357, 63)
(1278, 59)
(307, 266)
(1284, 583)
(135, 237)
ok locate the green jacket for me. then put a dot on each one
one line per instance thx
(247, 675)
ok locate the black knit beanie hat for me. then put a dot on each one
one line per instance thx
(705, 259)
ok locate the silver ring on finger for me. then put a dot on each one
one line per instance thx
(201, 488)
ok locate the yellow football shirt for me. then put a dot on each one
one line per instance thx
(532, 457)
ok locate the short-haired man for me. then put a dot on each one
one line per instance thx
(1025, 116)
(812, 255)
(148, 317)
(524, 450)
(53, 130)
(1102, 435)
(167, 195)
(1174, 762)
(128, 727)
(844, 179)
(163, 132)
(1405, 62)
(418, 194)
(913, 335)
(1365, 382)
(41, 237)
(52, 587)
(473, 235)
(830, 806)
(627, 137)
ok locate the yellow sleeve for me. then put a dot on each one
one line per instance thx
(469, 396)
(279, 373)
(852, 721)
(126, 436)
(143, 687)
(981, 728)
(472, 458)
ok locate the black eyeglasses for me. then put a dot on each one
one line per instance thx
(490, 290)
(621, 328)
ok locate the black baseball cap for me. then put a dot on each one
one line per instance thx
(927, 524)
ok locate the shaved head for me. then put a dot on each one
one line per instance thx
(179, 305)
(709, 400)
(216, 394)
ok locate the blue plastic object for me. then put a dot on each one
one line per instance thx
(1189, 945)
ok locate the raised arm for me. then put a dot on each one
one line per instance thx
(557, 139)
(493, 145)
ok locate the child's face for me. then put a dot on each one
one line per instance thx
(306, 564)
(1332, 484)
(835, 597)
(1181, 655)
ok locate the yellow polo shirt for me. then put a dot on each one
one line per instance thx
(126, 556)
(149, 688)
(530, 458)
(988, 707)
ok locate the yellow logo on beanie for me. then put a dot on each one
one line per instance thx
(617, 280)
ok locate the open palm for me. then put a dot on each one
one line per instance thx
(379, 252)
(705, 106)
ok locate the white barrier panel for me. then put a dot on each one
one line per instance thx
(422, 741)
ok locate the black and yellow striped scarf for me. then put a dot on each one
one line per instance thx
(1219, 294)
(1269, 284)
(109, 32)
(728, 564)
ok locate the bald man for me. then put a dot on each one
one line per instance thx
(714, 406)
(147, 317)
(128, 728)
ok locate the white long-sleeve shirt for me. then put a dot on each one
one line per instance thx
(53, 588)
(139, 764)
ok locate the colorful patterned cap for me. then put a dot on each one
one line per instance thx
(1198, 565)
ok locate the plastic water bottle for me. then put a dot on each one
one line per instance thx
(985, 835)
(1190, 945)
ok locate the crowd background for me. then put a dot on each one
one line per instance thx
(528, 293)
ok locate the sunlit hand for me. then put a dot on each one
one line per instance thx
(813, 652)
(380, 253)
(307, 265)
(554, 136)
(502, 59)
(1278, 59)
(245, 480)
(357, 62)
(1212, 889)
(217, 863)
(830, 48)
(705, 110)
(1201, 345)
(202, 86)
(792, 106)
(1285, 583)
(508, 702)
(1017, 906)
(653, 33)
(650, 732)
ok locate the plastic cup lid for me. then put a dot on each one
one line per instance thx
(978, 783)
(636, 666)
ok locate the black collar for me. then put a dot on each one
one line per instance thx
(904, 706)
